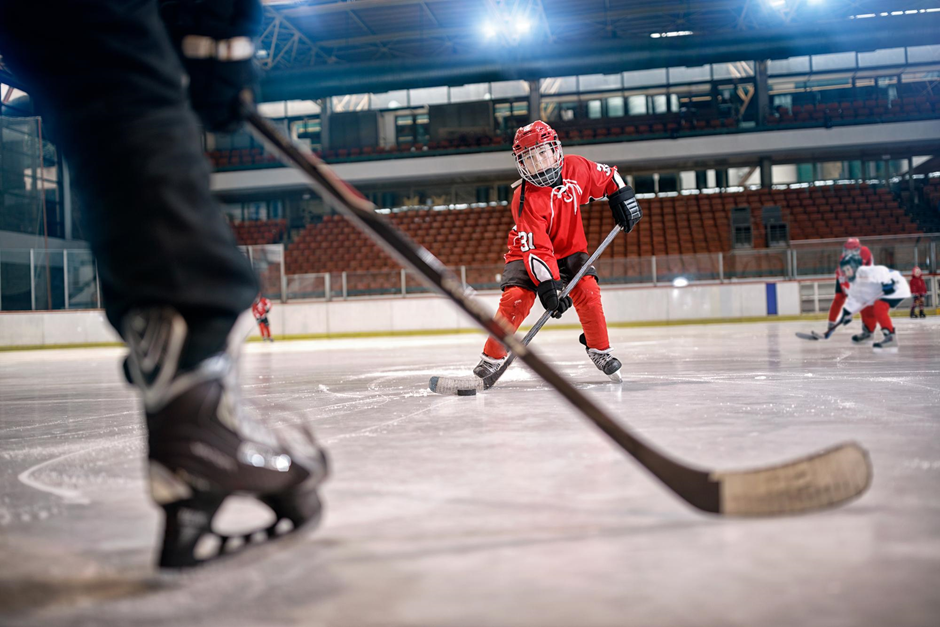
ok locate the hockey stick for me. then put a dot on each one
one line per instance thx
(812, 335)
(824, 479)
(459, 386)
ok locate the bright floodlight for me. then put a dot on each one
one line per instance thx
(680, 281)
(523, 25)
(776, 3)
(489, 31)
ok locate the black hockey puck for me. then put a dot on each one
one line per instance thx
(470, 392)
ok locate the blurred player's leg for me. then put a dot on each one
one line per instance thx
(869, 324)
(108, 82)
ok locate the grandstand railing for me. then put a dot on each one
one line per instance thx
(39, 279)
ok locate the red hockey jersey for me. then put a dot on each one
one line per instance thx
(549, 227)
(261, 308)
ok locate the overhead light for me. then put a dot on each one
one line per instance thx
(776, 3)
(523, 25)
(489, 31)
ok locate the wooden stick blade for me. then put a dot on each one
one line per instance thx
(826, 479)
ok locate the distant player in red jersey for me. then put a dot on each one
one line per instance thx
(547, 246)
(918, 291)
(869, 322)
(260, 310)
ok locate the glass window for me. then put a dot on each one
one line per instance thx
(520, 108)
(599, 82)
(559, 85)
(643, 78)
(793, 65)
(659, 103)
(470, 93)
(636, 105)
(390, 99)
(428, 96)
(352, 102)
(674, 103)
(296, 108)
(834, 61)
(738, 69)
(273, 109)
(510, 89)
(594, 109)
(889, 56)
(615, 107)
(923, 54)
(689, 74)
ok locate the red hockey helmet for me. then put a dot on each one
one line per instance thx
(853, 246)
(538, 153)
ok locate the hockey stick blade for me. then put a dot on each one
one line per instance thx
(778, 490)
(812, 335)
(447, 385)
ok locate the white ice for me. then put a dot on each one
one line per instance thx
(506, 508)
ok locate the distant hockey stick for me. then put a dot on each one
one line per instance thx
(824, 479)
(459, 386)
(812, 335)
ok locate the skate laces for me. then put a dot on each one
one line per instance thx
(599, 357)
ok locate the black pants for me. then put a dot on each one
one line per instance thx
(514, 272)
(109, 85)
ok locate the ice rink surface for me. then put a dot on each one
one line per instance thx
(506, 508)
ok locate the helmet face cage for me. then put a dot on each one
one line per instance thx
(540, 164)
(849, 265)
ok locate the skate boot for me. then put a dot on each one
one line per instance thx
(913, 314)
(922, 314)
(203, 448)
(487, 366)
(864, 336)
(605, 362)
(889, 342)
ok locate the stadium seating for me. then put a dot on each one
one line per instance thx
(862, 110)
(254, 232)
(676, 225)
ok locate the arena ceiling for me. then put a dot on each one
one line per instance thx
(312, 48)
(307, 32)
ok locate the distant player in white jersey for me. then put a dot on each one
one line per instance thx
(877, 286)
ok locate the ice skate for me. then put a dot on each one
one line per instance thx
(487, 366)
(605, 362)
(913, 314)
(862, 337)
(922, 314)
(203, 448)
(889, 342)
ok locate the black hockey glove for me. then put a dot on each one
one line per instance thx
(888, 288)
(625, 208)
(548, 295)
(215, 41)
(846, 317)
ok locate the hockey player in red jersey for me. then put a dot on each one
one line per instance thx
(918, 291)
(260, 310)
(547, 246)
(852, 247)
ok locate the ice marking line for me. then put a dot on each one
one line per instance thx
(389, 423)
(70, 496)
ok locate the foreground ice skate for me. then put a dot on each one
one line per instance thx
(487, 366)
(203, 448)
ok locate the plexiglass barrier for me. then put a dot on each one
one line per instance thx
(37, 279)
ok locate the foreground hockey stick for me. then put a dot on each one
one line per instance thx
(824, 479)
(812, 335)
(459, 386)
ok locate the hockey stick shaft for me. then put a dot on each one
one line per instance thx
(491, 380)
(764, 491)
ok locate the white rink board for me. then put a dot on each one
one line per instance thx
(430, 313)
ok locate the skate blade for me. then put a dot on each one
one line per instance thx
(616, 378)
(190, 541)
(879, 349)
